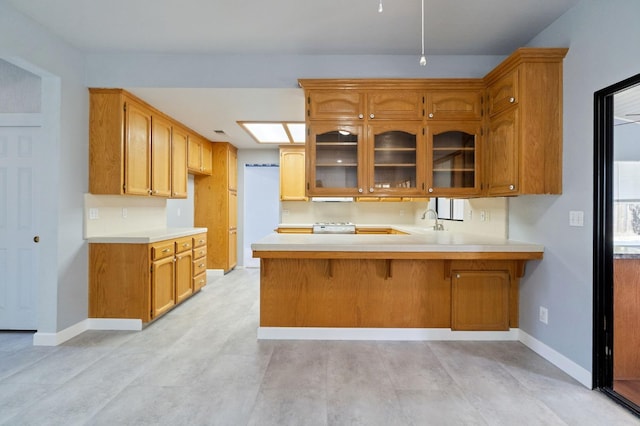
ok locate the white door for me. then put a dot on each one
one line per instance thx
(19, 214)
(261, 206)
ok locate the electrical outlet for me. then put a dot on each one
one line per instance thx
(483, 216)
(178, 212)
(124, 212)
(576, 218)
(544, 315)
(94, 213)
(401, 212)
(285, 212)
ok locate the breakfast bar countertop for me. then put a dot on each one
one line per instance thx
(416, 239)
(146, 236)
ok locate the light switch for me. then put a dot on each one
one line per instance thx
(93, 213)
(576, 218)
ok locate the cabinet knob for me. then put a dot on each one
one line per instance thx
(512, 100)
(360, 116)
(512, 187)
(360, 190)
(372, 116)
(370, 189)
(458, 276)
(430, 115)
(430, 189)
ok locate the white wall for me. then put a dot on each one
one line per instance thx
(63, 259)
(602, 36)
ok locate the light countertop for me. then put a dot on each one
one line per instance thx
(147, 236)
(417, 239)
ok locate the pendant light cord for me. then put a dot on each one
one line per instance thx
(423, 60)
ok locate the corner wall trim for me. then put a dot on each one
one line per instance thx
(556, 358)
(55, 339)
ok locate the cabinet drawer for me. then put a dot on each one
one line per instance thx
(199, 266)
(199, 281)
(162, 249)
(199, 240)
(183, 244)
(199, 252)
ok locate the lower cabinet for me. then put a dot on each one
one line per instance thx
(480, 300)
(381, 292)
(143, 281)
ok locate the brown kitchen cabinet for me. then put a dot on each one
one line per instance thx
(179, 175)
(161, 152)
(292, 178)
(454, 158)
(458, 104)
(480, 300)
(184, 273)
(387, 160)
(516, 133)
(199, 155)
(163, 278)
(141, 281)
(132, 150)
(524, 142)
(216, 207)
(199, 261)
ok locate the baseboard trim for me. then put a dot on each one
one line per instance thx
(55, 339)
(574, 370)
(121, 324)
(390, 334)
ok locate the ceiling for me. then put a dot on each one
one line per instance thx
(245, 27)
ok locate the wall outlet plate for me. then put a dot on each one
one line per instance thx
(544, 315)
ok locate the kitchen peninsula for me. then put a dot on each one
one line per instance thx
(416, 279)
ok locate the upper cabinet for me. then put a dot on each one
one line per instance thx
(133, 148)
(524, 142)
(292, 173)
(199, 156)
(496, 136)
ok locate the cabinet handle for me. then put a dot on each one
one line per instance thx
(360, 190)
(430, 189)
(372, 115)
(512, 187)
(512, 100)
(360, 116)
(201, 265)
(167, 250)
(430, 115)
(185, 245)
(200, 241)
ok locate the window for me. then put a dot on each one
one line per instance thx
(450, 208)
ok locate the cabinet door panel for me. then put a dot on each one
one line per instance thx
(454, 105)
(335, 104)
(480, 300)
(335, 155)
(503, 94)
(194, 154)
(394, 105)
(179, 178)
(207, 159)
(233, 248)
(395, 159)
(162, 286)
(233, 209)
(292, 177)
(184, 276)
(454, 159)
(137, 150)
(233, 169)
(160, 157)
(503, 154)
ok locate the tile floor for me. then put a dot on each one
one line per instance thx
(202, 365)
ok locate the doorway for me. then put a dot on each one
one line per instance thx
(261, 206)
(617, 242)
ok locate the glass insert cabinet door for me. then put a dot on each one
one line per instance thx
(453, 159)
(394, 154)
(334, 165)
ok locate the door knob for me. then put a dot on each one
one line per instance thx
(36, 239)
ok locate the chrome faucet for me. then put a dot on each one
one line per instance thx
(437, 226)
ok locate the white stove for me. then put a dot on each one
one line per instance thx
(334, 228)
